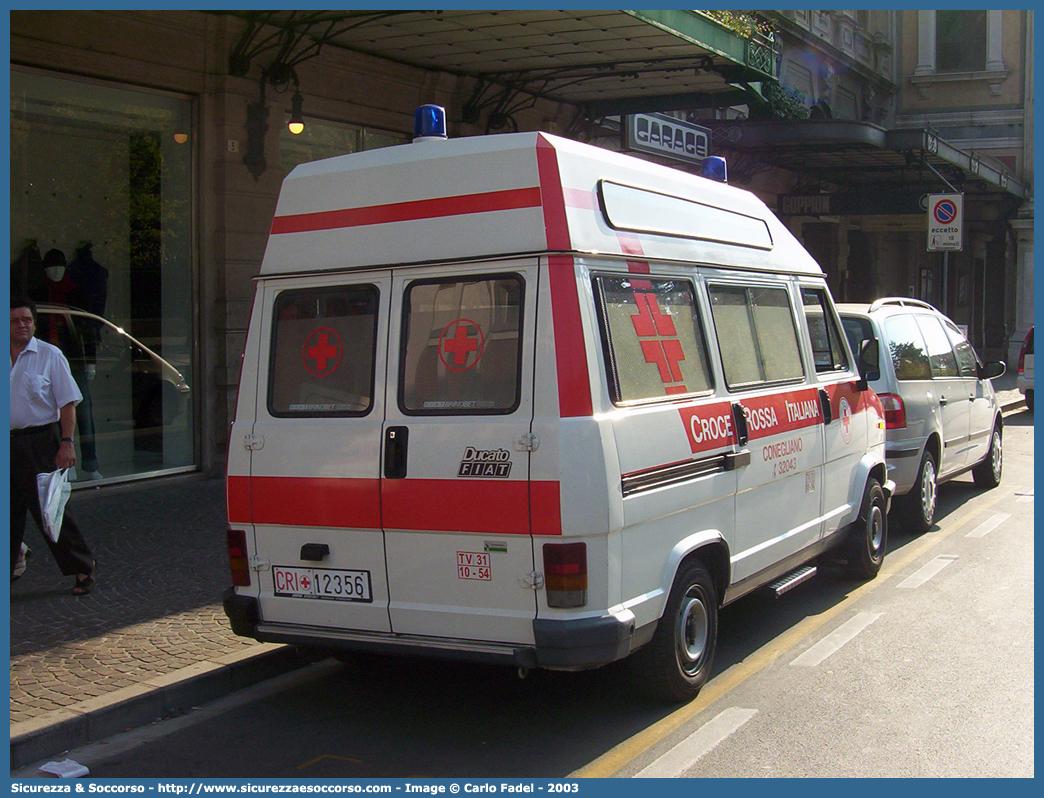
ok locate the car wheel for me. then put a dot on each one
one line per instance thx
(869, 534)
(676, 663)
(1029, 401)
(987, 474)
(917, 508)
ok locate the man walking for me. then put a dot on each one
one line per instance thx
(43, 420)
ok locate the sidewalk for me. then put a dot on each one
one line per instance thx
(152, 640)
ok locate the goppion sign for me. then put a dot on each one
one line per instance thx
(945, 222)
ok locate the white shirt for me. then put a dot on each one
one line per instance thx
(41, 385)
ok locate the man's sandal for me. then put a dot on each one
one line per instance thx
(84, 583)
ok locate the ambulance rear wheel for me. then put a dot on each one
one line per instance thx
(869, 534)
(676, 663)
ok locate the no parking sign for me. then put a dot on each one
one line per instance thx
(945, 222)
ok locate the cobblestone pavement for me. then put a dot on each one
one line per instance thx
(162, 567)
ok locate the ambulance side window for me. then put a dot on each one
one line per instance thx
(462, 345)
(654, 341)
(827, 350)
(757, 335)
(323, 345)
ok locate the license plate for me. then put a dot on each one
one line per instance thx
(322, 583)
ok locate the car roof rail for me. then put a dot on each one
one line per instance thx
(902, 302)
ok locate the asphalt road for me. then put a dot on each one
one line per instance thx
(926, 671)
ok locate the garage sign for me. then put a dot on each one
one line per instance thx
(659, 134)
(945, 222)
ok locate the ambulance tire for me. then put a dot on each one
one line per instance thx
(677, 662)
(868, 536)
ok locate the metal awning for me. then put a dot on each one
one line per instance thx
(863, 156)
(604, 62)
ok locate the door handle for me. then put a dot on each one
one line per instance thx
(824, 401)
(742, 433)
(943, 400)
(396, 448)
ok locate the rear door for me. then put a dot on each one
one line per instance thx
(455, 481)
(951, 392)
(315, 452)
(980, 395)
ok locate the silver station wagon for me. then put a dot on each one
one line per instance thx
(942, 415)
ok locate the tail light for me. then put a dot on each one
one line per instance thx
(237, 558)
(565, 574)
(1022, 354)
(894, 410)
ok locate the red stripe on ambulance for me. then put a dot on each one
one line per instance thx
(776, 413)
(415, 504)
(511, 199)
(447, 505)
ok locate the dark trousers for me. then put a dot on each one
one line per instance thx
(33, 453)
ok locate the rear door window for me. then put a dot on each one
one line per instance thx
(654, 340)
(323, 345)
(940, 352)
(907, 347)
(462, 345)
(757, 335)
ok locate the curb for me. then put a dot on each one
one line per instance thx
(163, 696)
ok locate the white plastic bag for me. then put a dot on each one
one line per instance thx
(53, 490)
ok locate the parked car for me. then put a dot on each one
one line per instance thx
(134, 389)
(941, 413)
(1024, 379)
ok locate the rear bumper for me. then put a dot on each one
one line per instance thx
(559, 644)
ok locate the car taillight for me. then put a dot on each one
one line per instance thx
(237, 558)
(894, 410)
(565, 574)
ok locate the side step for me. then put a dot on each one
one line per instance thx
(793, 579)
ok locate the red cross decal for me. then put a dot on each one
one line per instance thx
(322, 352)
(665, 350)
(457, 343)
(305, 582)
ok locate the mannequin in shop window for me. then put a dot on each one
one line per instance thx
(78, 342)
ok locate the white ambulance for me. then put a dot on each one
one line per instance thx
(521, 399)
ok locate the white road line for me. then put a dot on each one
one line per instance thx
(987, 526)
(1025, 498)
(833, 641)
(927, 571)
(697, 745)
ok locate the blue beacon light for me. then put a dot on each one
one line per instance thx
(429, 123)
(714, 168)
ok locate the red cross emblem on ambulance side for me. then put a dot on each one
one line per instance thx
(323, 351)
(460, 345)
(660, 344)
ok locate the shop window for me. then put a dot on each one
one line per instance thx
(101, 192)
